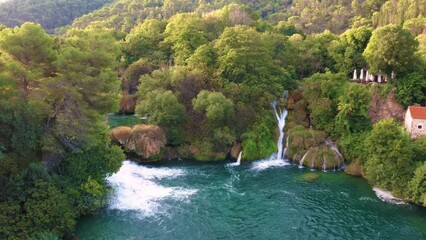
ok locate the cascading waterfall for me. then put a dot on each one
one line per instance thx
(281, 124)
(303, 160)
(337, 151)
(333, 147)
(238, 162)
(324, 165)
(275, 160)
(239, 158)
(286, 145)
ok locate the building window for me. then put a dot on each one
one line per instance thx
(419, 126)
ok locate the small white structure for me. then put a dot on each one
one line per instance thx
(355, 77)
(415, 121)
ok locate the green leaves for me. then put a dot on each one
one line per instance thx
(347, 50)
(216, 106)
(391, 48)
(352, 109)
(184, 33)
(389, 159)
(164, 109)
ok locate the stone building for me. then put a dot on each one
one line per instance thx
(415, 121)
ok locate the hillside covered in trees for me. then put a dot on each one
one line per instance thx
(203, 75)
(49, 13)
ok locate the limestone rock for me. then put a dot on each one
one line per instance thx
(385, 108)
(144, 140)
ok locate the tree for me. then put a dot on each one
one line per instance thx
(216, 106)
(322, 92)
(417, 185)
(352, 116)
(411, 89)
(164, 109)
(245, 59)
(143, 42)
(135, 71)
(388, 162)
(391, 49)
(31, 54)
(86, 88)
(49, 13)
(35, 204)
(347, 50)
(312, 53)
(184, 33)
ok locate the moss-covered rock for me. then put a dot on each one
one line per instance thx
(354, 168)
(323, 158)
(298, 115)
(313, 146)
(200, 151)
(302, 139)
(312, 176)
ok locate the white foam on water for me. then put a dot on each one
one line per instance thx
(270, 163)
(386, 196)
(135, 188)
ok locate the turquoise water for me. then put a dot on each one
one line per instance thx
(190, 200)
(116, 120)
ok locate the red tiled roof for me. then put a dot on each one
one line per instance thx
(417, 112)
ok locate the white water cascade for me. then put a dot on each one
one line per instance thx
(281, 124)
(239, 158)
(333, 147)
(278, 159)
(136, 188)
(303, 160)
(238, 162)
(324, 165)
(286, 145)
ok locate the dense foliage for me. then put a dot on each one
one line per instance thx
(202, 74)
(54, 147)
(49, 13)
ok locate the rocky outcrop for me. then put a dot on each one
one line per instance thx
(385, 107)
(354, 168)
(313, 146)
(235, 150)
(146, 141)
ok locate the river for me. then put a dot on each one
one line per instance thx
(192, 200)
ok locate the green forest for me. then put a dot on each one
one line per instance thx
(202, 75)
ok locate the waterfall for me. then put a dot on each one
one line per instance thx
(302, 160)
(312, 165)
(238, 162)
(324, 165)
(275, 160)
(239, 158)
(281, 123)
(333, 147)
(286, 145)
